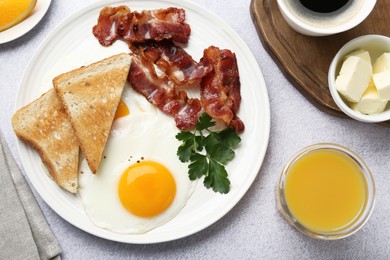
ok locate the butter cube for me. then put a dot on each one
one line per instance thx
(382, 63)
(353, 79)
(365, 55)
(382, 83)
(370, 103)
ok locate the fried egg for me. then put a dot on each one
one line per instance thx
(140, 184)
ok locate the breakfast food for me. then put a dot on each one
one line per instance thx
(354, 77)
(91, 95)
(45, 125)
(173, 60)
(78, 112)
(323, 6)
(162, 92)
(167, 76)
(365, 55)
(326, 190)
(220, 89)
(130, 177)
(381, 75)
(151, 36)
(370, 102)
(382, 83)
(140, 184)
(13, 12)
(382, 63)
(135, 27)
(157, 25)
(366, 87)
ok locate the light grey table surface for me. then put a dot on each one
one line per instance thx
(253, 229)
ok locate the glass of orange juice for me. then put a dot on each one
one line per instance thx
(326, 191)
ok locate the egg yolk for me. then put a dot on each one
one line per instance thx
(147, 188)
(122, 110)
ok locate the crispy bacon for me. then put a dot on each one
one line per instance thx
(111, 23)
(161, 92)
(135, 27)
(220, 89)
(173, 61)
(151, 34)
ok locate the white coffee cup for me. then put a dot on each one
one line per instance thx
(308, 22)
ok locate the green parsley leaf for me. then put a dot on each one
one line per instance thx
(199, 143)
(211, 140)
(204, 122)
(217, 178)
(229, 137)
(208, 151)
(184, 136)
(186, 150)
(220, 153)
(191, 144)
(198, 167)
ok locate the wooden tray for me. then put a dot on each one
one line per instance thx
(305, 60)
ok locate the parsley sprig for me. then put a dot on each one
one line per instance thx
(208, 152)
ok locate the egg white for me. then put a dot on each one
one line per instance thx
(146, 134)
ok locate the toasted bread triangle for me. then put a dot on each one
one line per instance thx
(91, 95)
(45, 125)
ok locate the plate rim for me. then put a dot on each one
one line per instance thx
(266, 113)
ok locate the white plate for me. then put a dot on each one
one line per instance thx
(72, 45)
(27, 24)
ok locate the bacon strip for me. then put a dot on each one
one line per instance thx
(173, 61)
(135, 27)
(111, 23)
(220, 89)
(162, 92)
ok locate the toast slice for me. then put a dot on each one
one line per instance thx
(91, 95)
(45, 125)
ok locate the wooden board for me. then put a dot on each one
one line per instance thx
(305, 60)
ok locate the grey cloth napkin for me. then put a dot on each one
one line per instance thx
(24, 232)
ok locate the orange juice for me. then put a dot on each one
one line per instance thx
(325, 190)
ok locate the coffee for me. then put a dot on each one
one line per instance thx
(317, 17)
(324, 6)
(324, 17)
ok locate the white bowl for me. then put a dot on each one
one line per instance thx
(312, 23)
(375, 45)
